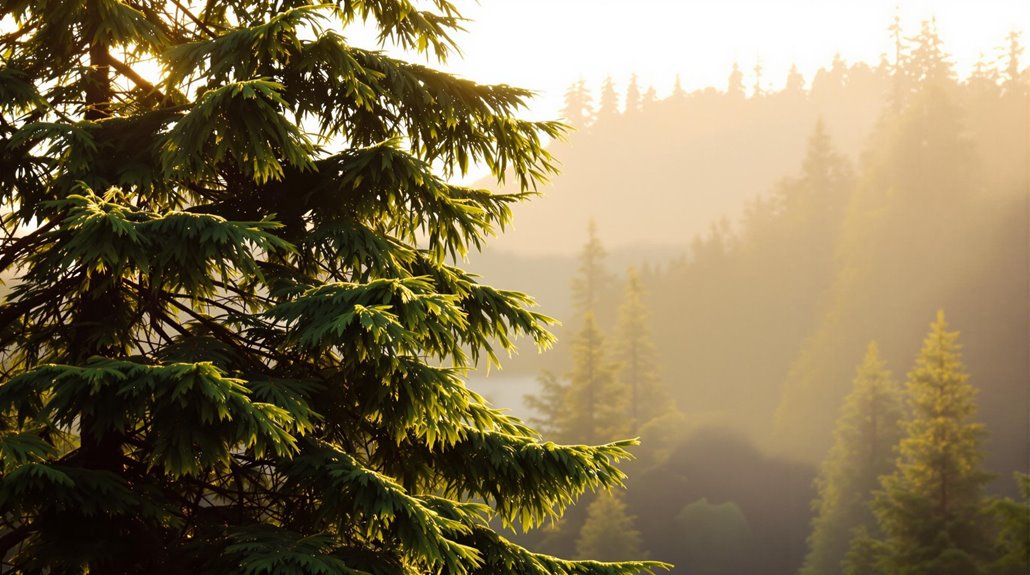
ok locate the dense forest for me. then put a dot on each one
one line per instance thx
(899, 193)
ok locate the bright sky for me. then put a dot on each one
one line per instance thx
(546, 45)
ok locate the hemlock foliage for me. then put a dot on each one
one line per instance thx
(224, 348)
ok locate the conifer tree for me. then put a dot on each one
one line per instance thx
(592, 278)
(795, 81)
(931, 511)
(1013, 541)
(224, 350)
(735, 83)
(608, 533)
(677, 88)
(633, 98)
(579, 105)
(646, 397)
(594, 400)
(867, 431)
(609, 104)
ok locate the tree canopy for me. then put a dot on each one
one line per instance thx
(231, 338)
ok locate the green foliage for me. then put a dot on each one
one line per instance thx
(608, 533)
(232, 342)
(931, 510)
(646, 397)
(868, 429)
(715, 536)
(1013, 541)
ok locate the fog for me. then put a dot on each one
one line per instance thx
(775, 232)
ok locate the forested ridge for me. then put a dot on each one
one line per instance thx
(914, 202)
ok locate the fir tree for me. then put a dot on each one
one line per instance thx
(609, 105)
(594, 400)
(224, 350)
(633, 98)
(579, 105)
(795, 81)
(592, 278)
(867, 431)
(735, 83)
(638, 374)
(608, 533)
(932, 511)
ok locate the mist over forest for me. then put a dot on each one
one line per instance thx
(762, 240)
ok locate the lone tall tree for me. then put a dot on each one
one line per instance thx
(932, 511)
(223, 349)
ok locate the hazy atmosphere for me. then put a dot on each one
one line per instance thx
(788, 182)
(526, 287)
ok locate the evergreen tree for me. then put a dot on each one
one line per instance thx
(633, 98)
(795, 81)
(932, 511)
(609, 106)
(608, 533)
(638, 374)
(1013, 540)
(867, 431)
(735, 83)
(677, 88)
(592, 278)
(578, 110)
(224, 350)
(594, 400)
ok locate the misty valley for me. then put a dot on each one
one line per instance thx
(307, 287)
(768, 289)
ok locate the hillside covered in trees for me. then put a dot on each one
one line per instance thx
(776, 234)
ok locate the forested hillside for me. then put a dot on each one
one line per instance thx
(846, 213)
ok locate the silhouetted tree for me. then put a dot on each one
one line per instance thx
(609, 107)
(735, 83)
(633, 98)
(579, 105)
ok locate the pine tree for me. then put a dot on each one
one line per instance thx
(609, 105)
(579, 105)
(633, 98)
(795, 82)
(932, 511)
(867, 431)
(735, 83)
(608, 533)
(594, 400)
(635, 352)
(224, 350)
(592, 278)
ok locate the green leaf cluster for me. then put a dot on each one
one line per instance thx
(231, 340)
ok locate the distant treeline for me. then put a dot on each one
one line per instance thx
(909, 196)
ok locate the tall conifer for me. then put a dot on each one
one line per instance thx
(932, 511)
(867, 432)
(224, 350)
(646, 397)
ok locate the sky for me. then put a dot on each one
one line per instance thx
(545, 45)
